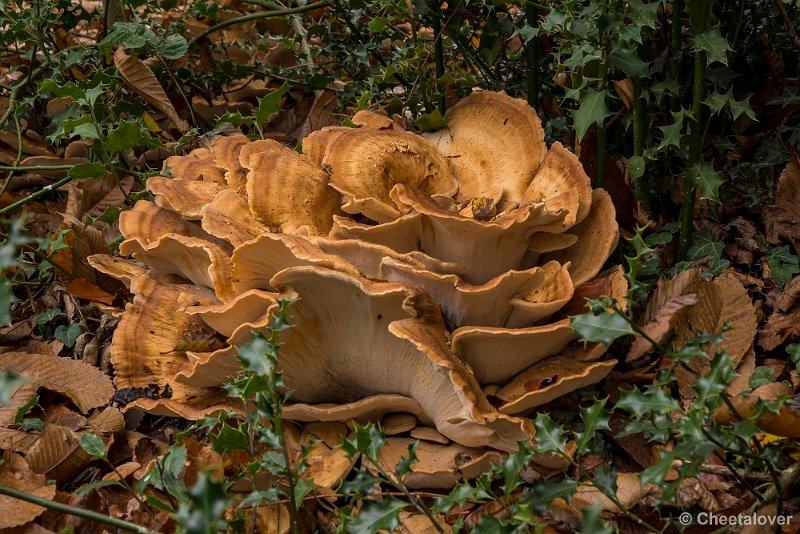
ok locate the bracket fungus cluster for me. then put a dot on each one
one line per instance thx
(430, 274)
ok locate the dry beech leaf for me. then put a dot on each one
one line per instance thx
(85, 385)
(785, 423)
(58, 454)
(107, 421)
(23, 394)
(419, 523)
(723, 301)
(664, 321)
(83, 289)
(15, 473)
(629, 493)
(783, 219)
(141, 79)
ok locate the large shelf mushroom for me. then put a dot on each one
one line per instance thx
(430, 270)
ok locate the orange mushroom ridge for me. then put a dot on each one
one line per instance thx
(431, 272)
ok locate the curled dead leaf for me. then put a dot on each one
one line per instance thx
(664, 321)
(141, 80)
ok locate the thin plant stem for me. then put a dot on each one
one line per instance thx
(73, 510)
(438, 51)
(532, 57)
(642, 182)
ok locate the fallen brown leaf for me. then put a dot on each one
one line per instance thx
(785, 423)
(58, 454)
(87, 386)
(15, 473)
(721, 302)
(141, 79)
(664, 321)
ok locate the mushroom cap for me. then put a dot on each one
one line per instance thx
(365, 164)
(597, 235)
(561, 173)
(550, 379)
(322, 359)
(488, 247)
(288, 192)
(496, 355)
(183, 196)
(147, 339)
(493, 143)
(228, 217)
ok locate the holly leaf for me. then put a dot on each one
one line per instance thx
(377, 515)
(628, 61)
(431, 121)
(600, 325)
(714, 44)
(592, 110)
(672, 132)
(707, 180)
(86, 170)
(270, 104)
(549, 436)
(594, 418)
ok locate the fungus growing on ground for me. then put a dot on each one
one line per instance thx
(430, 270)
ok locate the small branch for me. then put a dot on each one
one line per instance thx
(12, 168)
(256, 16)
(788, 22)
(33, 196)
(73, 510)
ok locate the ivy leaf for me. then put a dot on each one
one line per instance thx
(592, 110)
(600, 325)
(761, 376)
(703, 244)
(270, 104)
(93, 445)
(591, 521)
(68, 89)
(377, 515)
(511, 468)
(68, 334)
(403, 467)
(124, 136)
(714, 44)
(783, 264)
